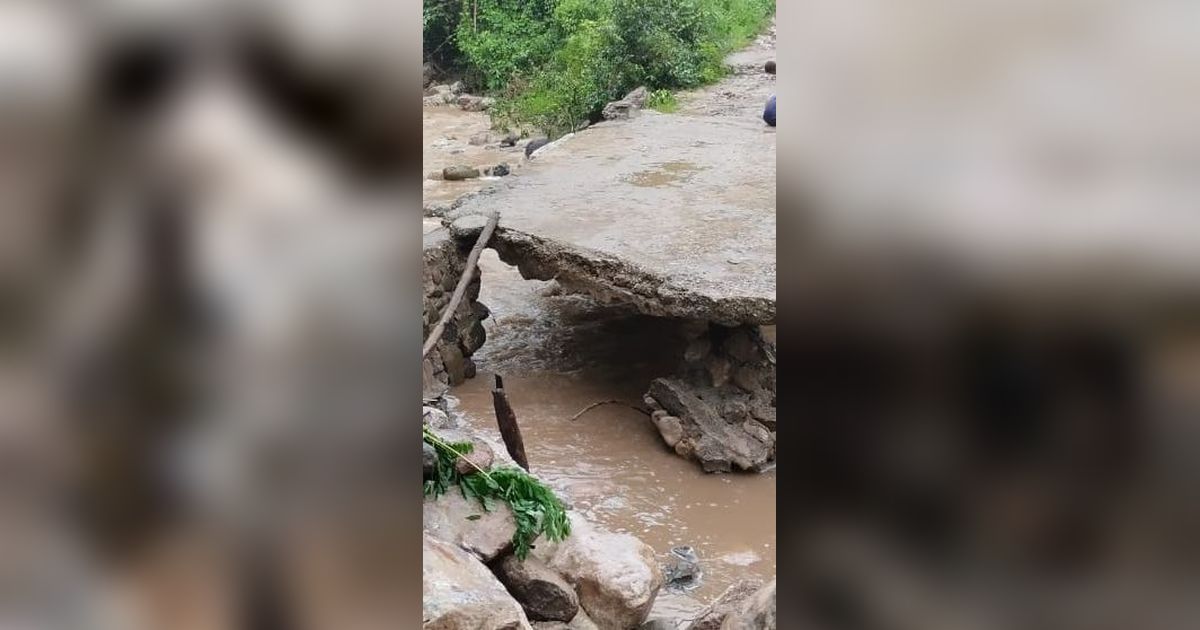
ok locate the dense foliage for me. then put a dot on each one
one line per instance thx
(555, 63)
(538, 512)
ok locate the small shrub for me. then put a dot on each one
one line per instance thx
(663, 101)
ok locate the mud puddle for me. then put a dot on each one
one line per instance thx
(666, 174)
(560, 353)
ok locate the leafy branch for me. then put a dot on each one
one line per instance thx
(536, 509)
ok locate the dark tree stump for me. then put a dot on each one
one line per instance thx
(507, 421)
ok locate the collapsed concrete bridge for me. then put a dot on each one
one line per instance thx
(691, 237)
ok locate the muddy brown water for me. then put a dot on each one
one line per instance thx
(447, 135)
(560, 353)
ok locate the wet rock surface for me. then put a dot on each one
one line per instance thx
(544, 594)
(616, 575)
(464, 523)
(459, 592)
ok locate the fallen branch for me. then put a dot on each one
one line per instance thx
(472, 260)
(506, 419)
(608, 402)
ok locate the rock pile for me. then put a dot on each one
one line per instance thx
(450, 362)
(592, 580)
(720, 407)
(455, 94)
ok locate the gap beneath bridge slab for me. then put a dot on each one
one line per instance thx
(718, 406)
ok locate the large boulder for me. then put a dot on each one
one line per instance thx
(637, 97)
(540, 590)
(459, 593)
(756, 613)
(464, 523)
(459, 172)
(626, 107)
(618, 110)
(616, 576)
(533, 145)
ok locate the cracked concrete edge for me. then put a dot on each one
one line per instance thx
(609, 279)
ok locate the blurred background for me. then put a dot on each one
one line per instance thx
(210, 250)
(989, 314)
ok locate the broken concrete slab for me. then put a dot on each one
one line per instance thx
(690, 235)
(468, 226)
(720, 439)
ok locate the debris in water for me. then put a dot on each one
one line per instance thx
(683, 569)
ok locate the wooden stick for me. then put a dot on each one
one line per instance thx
(468, 274)
(608, 402)
(507, 421)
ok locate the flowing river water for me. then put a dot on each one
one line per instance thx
(560, 353)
